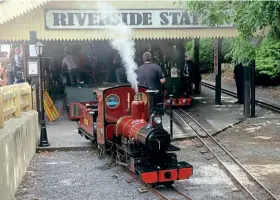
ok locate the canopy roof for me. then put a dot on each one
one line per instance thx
(10, 9)
(19, 17)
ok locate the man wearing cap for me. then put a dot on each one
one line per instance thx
(151, 75)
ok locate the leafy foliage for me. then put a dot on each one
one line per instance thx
(206, 54)
(268, 58)
(248, 16)
(242, 51)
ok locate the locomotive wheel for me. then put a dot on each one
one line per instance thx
(101, 152)
(113, 153)
(94, 142)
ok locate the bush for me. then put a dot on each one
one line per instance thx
(206, 53)
(268, 58)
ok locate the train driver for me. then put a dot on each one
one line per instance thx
(151, 75)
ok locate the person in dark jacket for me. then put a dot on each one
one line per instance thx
(193, 71)
(239, 81)
(151, 75)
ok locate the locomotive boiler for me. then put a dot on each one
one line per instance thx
(129, 127)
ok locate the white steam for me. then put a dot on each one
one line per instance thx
(122, 40)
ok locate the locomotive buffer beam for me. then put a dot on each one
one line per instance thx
(173, 148)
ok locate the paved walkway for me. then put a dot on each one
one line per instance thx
(63, 133)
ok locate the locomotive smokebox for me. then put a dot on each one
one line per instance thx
(152, 99)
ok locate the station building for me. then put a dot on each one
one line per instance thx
(75, 24)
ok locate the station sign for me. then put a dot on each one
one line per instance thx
(137, 19)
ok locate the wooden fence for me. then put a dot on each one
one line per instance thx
(14, 99)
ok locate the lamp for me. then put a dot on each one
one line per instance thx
(39, 48)
(43, 136)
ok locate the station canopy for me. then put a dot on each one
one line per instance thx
(80, 20)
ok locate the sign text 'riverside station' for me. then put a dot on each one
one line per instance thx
(91, 19)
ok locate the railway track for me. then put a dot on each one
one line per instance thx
(176, 194)
(230, 93)
(250, 185)
(164, 193)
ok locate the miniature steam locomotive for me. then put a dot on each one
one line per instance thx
(129, 126)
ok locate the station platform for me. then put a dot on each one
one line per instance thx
(214, 118)
(63, 134)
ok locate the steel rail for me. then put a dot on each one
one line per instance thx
(181, 193)
(159, 194)
(230, 93)
(229, 154)
(233, 176)
(164, 197)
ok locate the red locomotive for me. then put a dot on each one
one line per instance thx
(129, 126)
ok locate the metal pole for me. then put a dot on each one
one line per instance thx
(253, 90)
(24, 62)
(218, 72)
(43, 137)
(247, 91)
(171, 116)
(38, 99)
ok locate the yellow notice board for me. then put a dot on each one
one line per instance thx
(50, 109)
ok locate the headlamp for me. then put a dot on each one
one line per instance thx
(157, 120)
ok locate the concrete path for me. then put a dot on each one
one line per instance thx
(63, 133)
(214, 118)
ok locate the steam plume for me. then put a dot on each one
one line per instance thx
(122, 42)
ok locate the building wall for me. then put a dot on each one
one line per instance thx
(19, 28)
(18, 141)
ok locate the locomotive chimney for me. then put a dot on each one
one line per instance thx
(138, 97)
(152, 99)
(137, 108)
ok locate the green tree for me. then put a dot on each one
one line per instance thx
(268, 58)
(248, 17)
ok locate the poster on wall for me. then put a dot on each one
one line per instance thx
(5, 48)
(32, 50)
(33, 68)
